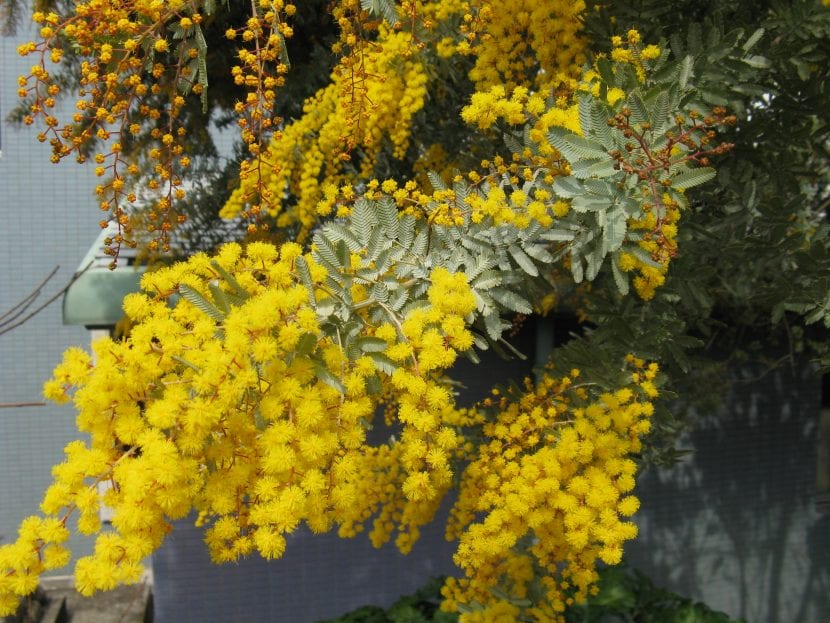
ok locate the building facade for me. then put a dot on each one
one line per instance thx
(48, 220)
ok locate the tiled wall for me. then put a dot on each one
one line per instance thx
(47, 218)
(735, 525)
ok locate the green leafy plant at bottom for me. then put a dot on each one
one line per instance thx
(625, 595)
(420, 607)
(628, 595)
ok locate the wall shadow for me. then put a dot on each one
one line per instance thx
(735, 525)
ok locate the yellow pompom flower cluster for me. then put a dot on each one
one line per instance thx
(547, 493)
(310, 150)
(39, 547)
(521, 107)
(516, 209)
(518, 43)
(659, 241)
(261, 71)
(378, 88)
(487, 107)
(120, 44)
(139, 61)
(425, 344)
(234, 403)
(628, 50)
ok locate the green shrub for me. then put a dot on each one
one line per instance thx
(625, 595)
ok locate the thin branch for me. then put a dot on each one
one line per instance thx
(15, 310)
(14, 405)
(5, 327)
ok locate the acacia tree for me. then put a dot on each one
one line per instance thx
(415, 178)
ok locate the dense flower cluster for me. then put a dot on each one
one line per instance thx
(237, 404)
(121, 42)
(376, 90)
(140, 62)
(547, 493)
(532, 44)
(234, 403)
(659, 242)
(310, 153)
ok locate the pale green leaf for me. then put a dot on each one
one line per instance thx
(379, 292)
(615, 229)
(370, 344)
(381, 8)
(522, 259)
(593, 263)
(406, 231)
(754, 38)
(436, 181)
(686, 68)
(574, 147)
(486, 280)
(200, 302)
(539, 253)
(387, 214)
(305, 276)
(693, 177)
(306, 344)
(362, 220)
(510, 300)
(576, 266)
(592, 169)
(237, 288)
(590, 203)
(382, 362)
(568, 187)
(558, 235)
(494, 325)
(620, 278)
(398, 299)
(219, 298)
(328, 378)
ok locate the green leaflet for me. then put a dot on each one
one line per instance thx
(693, 177)
(219, 297)
(568, 187)
(574, 147)
(614, 229)
(639, 111)
(685, 71)
(381, 8)
(370, 344)
(328, 378)
(304, 273)
(603, 168)
(382, 362)
(511, 300)
(236, 288)
(306, 344)
(486, 280)
(362, 220)
(325, 253)
(620, 278)
(200, 302)
(538, 253)
(494, 325)
(522, 259)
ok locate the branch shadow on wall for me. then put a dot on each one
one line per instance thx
(735, 524)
